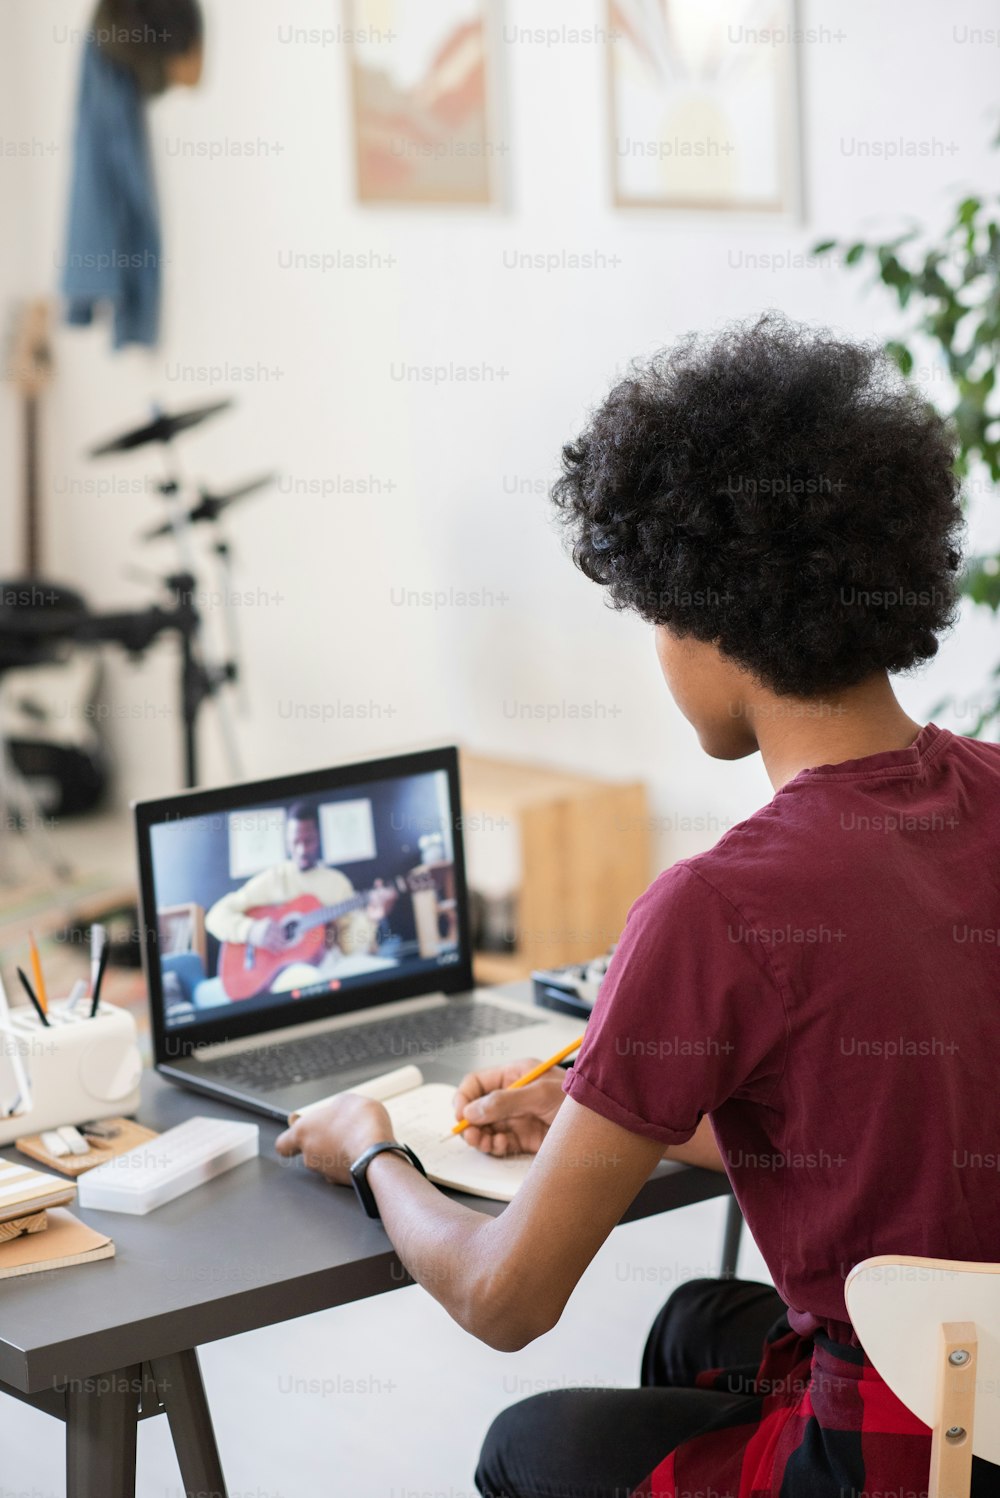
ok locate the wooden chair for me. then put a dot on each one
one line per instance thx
(931, 1329)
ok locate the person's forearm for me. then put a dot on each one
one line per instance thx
(505, 1279)
(226, 921)
(444, 1246)
(701, 1149)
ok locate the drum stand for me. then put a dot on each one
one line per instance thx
(201, 678)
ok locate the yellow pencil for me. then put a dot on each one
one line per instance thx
(36, 972)
(532, 1075)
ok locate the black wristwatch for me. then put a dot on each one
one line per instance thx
(359, 1172)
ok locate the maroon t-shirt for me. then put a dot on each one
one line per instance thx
(825, 984)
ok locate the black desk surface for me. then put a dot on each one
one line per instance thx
(266, 1242)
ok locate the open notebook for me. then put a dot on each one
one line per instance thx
(422, 1116)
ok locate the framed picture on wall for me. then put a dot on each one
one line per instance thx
(425, 101)
(704, 104)
(347, 831)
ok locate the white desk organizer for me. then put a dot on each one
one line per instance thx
(78, 1068)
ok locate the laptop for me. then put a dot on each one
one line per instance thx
(301, 935)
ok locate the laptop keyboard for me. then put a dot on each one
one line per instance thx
(396, 1042)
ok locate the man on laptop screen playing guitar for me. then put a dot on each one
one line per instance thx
(294, 924)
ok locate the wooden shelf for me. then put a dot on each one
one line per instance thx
(500, 967)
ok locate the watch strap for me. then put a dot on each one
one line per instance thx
(359, 1171)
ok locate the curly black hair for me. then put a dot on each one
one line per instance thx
(779, 491)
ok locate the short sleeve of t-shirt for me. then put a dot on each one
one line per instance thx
(689, 1015)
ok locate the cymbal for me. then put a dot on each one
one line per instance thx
(210, 506)
(162, 428)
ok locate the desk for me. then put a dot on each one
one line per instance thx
(104, 1345)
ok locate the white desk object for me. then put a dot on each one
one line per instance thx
(168, 1166)
(77, 1068)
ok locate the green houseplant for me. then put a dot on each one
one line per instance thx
(948, 290)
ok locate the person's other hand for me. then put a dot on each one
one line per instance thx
(267, 933)
(505, 1122)
(332, 1137)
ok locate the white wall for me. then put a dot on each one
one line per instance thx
(333, 412)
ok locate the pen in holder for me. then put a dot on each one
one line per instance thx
(76, 1068)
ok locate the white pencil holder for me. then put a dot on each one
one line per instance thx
(77, 1068)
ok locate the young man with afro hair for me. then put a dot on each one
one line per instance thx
(811, 1004)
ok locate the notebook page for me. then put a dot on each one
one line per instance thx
(423, 1117)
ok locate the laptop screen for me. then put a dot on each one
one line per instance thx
(301, 898)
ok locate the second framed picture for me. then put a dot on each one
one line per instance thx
(704, 104)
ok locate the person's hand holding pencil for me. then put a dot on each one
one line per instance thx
(507, 1110)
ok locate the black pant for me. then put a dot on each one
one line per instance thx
(598, 1443)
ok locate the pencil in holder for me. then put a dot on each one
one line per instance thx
(76, 1068)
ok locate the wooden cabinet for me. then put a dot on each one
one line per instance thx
(582, 851)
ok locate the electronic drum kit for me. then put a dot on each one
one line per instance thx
(38, 624)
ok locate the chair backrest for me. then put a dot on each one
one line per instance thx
(898, 1306)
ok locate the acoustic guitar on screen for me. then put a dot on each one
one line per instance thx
(246, 970)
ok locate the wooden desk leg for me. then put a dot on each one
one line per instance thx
(178, 1378)
(100, 1436)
